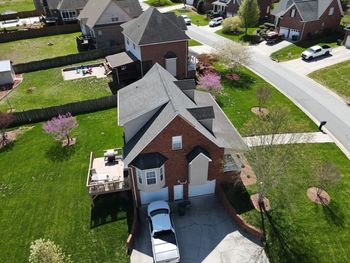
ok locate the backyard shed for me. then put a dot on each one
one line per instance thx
(7, 74)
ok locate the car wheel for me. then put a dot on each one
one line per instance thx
(310, 58)
(327, 53)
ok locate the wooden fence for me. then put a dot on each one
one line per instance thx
(75, 108)
(23, 14)
(12, 35)
(65, 60)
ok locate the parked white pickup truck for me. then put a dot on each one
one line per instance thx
(163, 237)
(316, 51)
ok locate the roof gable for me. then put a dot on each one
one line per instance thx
(153, 27)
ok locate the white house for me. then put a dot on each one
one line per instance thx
(7, 74)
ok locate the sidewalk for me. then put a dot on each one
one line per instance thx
(288, 138)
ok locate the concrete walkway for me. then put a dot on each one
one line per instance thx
(339, 54)
(288, 138)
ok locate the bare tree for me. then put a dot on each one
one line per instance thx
(232, 55)
(327, 175)
(263, 94)
(5, 121)
(269, 158)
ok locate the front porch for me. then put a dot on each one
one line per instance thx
(107, 175)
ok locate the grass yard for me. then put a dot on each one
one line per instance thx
(335, 77)
(43, 195)
(240, 37)
(17, 5)
(192, 43)
(26, 50)
(239, 97)
(297, 48)
(49, 89)
(158, 3)
(197, 19)
(297, 229)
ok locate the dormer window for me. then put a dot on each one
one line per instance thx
(177, 142)
(293, 13)
(115, 19)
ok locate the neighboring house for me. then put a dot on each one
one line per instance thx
(7, 74)
(347, 37)
(100, 22)
(63, 11)
(300, 19)
(151, 38)
(228, 8)
(178, 141)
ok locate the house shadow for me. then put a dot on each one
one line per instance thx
(238, 196)
(57, 153)
(283, 242)
(112, 207)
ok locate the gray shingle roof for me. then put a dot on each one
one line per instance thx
(195, 152)
(71, 4)
(149, 160)
(153, 27)
(95, 8)
(309, 10)
(52, 4)
(202, 113)
(121, 59)
(158, 89)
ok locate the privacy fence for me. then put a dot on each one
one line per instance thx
(12, 35)
(75, 108)
(65, 60)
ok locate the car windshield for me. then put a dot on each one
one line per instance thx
(159, 211)
(312, 50)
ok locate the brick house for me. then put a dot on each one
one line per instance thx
(228, 8)
(300, 19)
(151, 38)
(100, 22)
(63, 11)
(178, 141)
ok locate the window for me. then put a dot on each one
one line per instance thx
(268, 9)
(99, 32)
(139, 176)
(292, 14)
(69, 15)
(115, 19)
(331, 11)
(161, 175)
(133, 45)
(151, 177)
(177, 143)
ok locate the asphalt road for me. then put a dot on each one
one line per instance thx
(315, 100)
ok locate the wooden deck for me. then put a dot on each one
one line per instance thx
(104, 177)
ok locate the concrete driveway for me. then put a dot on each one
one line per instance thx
(302, 67)
(205, 234)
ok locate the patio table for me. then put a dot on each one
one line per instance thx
(100, 177)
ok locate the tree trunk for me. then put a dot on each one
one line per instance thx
(68, 140)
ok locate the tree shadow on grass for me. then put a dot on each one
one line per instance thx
(8, 147)
(112, 207)
(245, 81)
(57, 153)
(284, 243)
(333, 214)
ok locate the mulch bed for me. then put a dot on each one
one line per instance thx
(6, 89)
(263, 111)
(255, 197)
(323, 198)
(248, 176)
(12, 135)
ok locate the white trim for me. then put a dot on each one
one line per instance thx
(158, 43)
(199, 155)
(340, 8)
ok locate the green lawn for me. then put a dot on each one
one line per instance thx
(49, 89)
(26, 50)
(158, 3)
(295, 50)
(193, 42)
(240, 37)
(303, 231)
(197, 19)
(239, 97)
(43, 195)
(17, 5)
(335, 77)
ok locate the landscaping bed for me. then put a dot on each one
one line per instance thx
(299, 230)
(294, 50)
(43, 195)
(18, 5)
(241, 37)
(197, 19)
(159, 3)
(335, 77)
(46, 88)
(33, 49)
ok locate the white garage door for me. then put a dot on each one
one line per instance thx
(284, 31)
(347, 42)
(148, 197)
(202, 189)
(178, 192)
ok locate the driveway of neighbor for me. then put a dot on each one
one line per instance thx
(267, 50)
(339, 54)
(205, 234)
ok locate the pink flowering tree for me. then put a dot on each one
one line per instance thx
(61, 126)
(210, 81)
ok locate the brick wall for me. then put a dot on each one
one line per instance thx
(263, 4)
(291, 22)
(156, 54)
(176, 167)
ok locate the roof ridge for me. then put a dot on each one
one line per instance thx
(166, 89)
